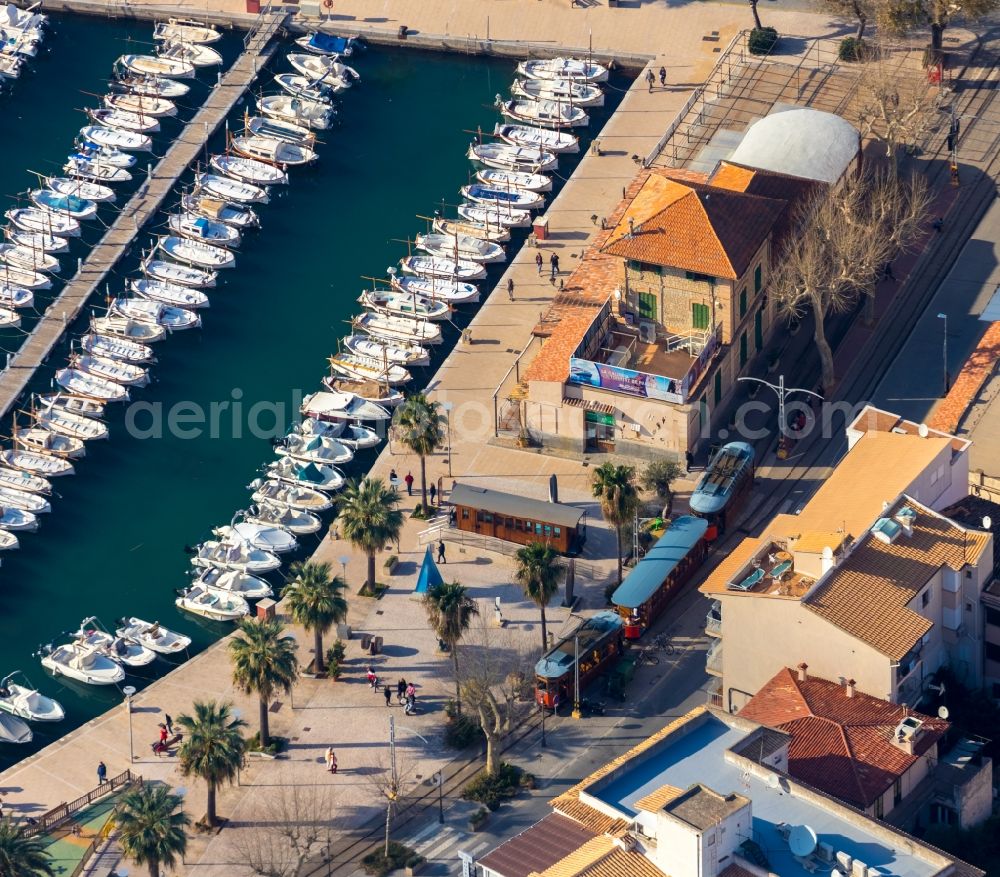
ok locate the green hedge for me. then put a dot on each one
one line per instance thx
(378, 864)
(852, 49)
(492, 791)
(762, 40)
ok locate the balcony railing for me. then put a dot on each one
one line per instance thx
(713, 625)
(713, 659)
(910, 689)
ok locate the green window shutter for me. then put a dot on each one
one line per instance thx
(758, 331)
(699, 316)
(647, 305)
(756, 279)
(718, 386)
(743, 349)
(743, 302)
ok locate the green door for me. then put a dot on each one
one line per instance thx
(647, 306)
(743, 349)
(699, 316)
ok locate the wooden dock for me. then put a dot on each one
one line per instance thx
(259, 47)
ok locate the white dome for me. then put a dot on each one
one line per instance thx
(800, 142)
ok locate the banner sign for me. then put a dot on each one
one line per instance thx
(625, 380)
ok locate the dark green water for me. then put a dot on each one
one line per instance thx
(114, 543)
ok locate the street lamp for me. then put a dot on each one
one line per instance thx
(344, 558)
(439, 778)
(447, 410)
(128, 691)
(576, 678)
(541, 709)
(782, 392)
(944, 353)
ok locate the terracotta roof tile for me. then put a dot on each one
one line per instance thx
(840, 745)
(655, 801)
(969, 382)
(580, 859)
(589, 817)
(538, 847)
(622, 863)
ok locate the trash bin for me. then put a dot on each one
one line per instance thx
(265, 609)
(541, 228)
(366, 639)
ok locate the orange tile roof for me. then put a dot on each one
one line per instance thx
(589, 817)
(580, 859)
(656, 800)
(840, 745)
(622, 863)
(969, 382)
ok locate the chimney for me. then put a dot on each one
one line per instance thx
(850, 688)
(631, 227)
(803, 674)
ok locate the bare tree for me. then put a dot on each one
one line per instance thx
(390, 779)
(907, 15)
(897, 106)
(862, 11)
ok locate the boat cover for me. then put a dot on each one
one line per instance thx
(311, 473)
(327, 43)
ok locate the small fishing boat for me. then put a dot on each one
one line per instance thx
(277, 129)
(197, 253)
(73, 404)
(461, 246)
(102, 155)
(546, 113)
(114, 138)
(154, 637)
(273, 150)
(579, 94)
(231, 190)
(117, 348)
(117, 648)
(404, 354)
(314, 449)
(169, 293)
(68, 188)
(152, 86)
(28, 259)
(296, 522)
(36, 464)
(185, 275)
(157, 65)
(221, 211)
(494, 215)
(198, 54)
(326, 44)
(34, 220)
(19, 499)
(200, 228)
(68, 205)
(398, 304)
(68, 424)
(452, 227)
(45, 442)
(9, 319)
(15, 520)
(398, 329)
(141, 105)
(127, 329)
(23, 700)
(439, 266)
(83, 664)
(327, 70)
(504, 179)
(212, 604)
(318, 476)
(571, 69)
(36, 240)
(351, 434)
(315, 114)
(304, 87)
(341, 406)
(122, 121)
(248, 170)
(518, 199)
(127, 374)
(147, 311)
(508, 156)
(232, 581)
(10, 63)
(235, 555)
(186, 31)
(559, 142)
(83, 384)
(363, 368)
(289, 496)
(452, 292)
(17, 296)
(18, 479)
(261, 536)
(377, 392)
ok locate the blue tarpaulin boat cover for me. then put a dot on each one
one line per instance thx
(327, 43)
(429, 576)
(202, 225)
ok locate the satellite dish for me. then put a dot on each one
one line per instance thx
(943, 712)
(987, 523)
(802, 841)
(774, 781)
(923, 431)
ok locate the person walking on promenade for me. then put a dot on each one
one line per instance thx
(689, 460)
(510, 288)
(387, 691)
(432, 490)
(409, 483)
(650, 79)
(538, 263)
(169, 722)
(553, 267)
(372, 678)
(102, 773)
(663, 77)
(331, 760)
(401, 689)
(441, 557)
(393, 477)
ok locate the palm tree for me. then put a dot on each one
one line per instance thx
(659, 477)
(369, 519)
(264, 663)
(450, 610)
(614, 486)
(537, 572)
(213, 748)
(22, 856)
(418, 424)
(150, 828)
(315, 600)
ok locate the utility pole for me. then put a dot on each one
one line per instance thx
(782, 392)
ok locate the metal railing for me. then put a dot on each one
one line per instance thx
(511, 379)
(57, 815)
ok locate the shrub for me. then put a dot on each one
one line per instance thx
(461, 731)
(491, 791)
(333, 668)
(418, 512)
(527, 780)
(478, 818)
(336, 652)
(277, 744)
(852, 49)
(378, 864)
(390, 562)
(762, 40)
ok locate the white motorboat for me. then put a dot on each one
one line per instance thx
(147, 311)
(232, 190)
(261, 536)
(69, 424)
(113, 138)
(198, 54)
(508, 156)
(154, 637)
(201, 228)
(318, 476)
(152, 86)
(36, 464)
(157, 65)
(351, 434)
(220, 211)
(128, 330)
(397, 329)
(315, 114)
(18, 479)
(102, 155)
(546, 113)
(63, 205)
(452, 292)
(36, 240)
(342, 406)
(277, 129)
(74, 404)
(13, 519)
(35, 220)
(494, 215)
(314, 449)
(22, 19)
(326, 44)
(572, 69)
(295, 521)
(248, 170)
(517, 199)
(185, 275)
(579, 94)
(15, 296)
(186, 31)
(23, 700)
(461, 247)
(289, 496)
(122, 121)
(141, 105)
(82, 384)
(11, 63)
(273, 151)
(232, 581)
(20, 499)
(439, 266)
(559, 142)
(306, 88)
(235, 555)
(127, 374)
(68, 188)
(362, 368)
(451, 227)
(46, 442)
(28, 259)
(213, 604)
(169, 293)
(398, 304)
(504, 179)
(14, 730)
(325, 69)
(83, 664)
(117, 648)
(118, 348)
(387, 351)
(198, 253)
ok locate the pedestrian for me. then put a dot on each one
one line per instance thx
(441, 557)
(409, 483)
(663, 77)
(102, 773)
(538, 263)
(555, 261)
(411, 704)
(163, 736)
(650, 79)
(689, 460)
(553, 267)
(393, 477)
(372, 678)
(411, 690)
(887, 272)
(387, 691)
(331, 760)
(510, 288)
(433, 492)
(401, 689)
(169, 722)
(938, 224)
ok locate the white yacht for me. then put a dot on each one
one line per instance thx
(82, 663)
